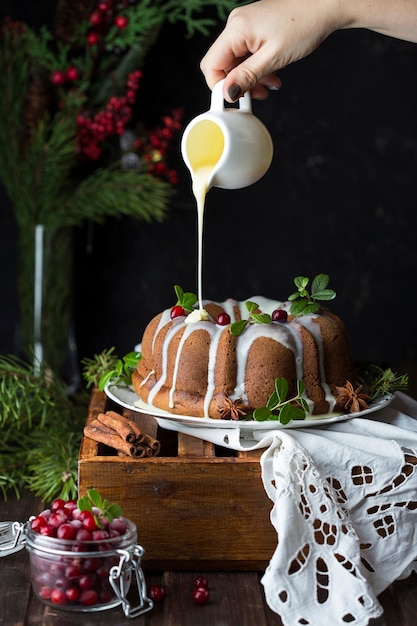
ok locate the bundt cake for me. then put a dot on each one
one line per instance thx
(222, 363)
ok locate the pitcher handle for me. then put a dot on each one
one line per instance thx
(217, 100)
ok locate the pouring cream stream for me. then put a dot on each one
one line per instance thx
(205, 145)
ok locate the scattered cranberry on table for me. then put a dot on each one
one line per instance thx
(200, 581)
(157, 593)
(201, 595)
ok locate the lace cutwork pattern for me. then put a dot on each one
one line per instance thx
(333, 529)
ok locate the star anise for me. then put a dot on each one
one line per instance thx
(350, 398)
(232, 409)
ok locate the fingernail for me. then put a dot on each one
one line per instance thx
(234, 92)
(273, 88)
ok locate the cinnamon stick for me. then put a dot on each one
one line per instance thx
(99, 432)
(151, 443)
(127, 429)
(122, 434)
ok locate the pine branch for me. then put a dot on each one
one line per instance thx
(40, 429)
(113, 192)
(52, 465)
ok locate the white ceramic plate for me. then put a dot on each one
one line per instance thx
(126, 397)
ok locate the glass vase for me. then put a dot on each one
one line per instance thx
(45, 294)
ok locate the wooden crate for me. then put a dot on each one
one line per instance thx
(196, 506)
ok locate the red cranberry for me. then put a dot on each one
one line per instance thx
(86, 581)
(57, 519)
(57, 504)
(95, 18)
(83, 535)
(69, 507)
(58, 596)
(47, 531)
(201, 595)
(88, 597)
(121, 21)
(66, 531)
(45, 593)
(201, 581)
(93, 38)
(88, 520)
(118, 525)
(223, 319)
(104, 6)
(37, 523)
(73, 571)
(72, 73)
(279, 315)
(157, 593)
(177, 311)
(73, 594)
(57, 77)
(98, 535)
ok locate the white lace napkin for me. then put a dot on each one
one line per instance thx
(344, 508)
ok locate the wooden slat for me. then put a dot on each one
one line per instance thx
(189, 446)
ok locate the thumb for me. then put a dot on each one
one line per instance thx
(249, 74)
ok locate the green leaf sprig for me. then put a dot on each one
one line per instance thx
(100, 507)
(106, 366)
(238, 327)
(281, 408)
(186, 299)
(307, 302)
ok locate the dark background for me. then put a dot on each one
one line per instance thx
(340, 198)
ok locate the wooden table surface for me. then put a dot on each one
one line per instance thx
(236, 598)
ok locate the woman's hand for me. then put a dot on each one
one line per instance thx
(265, 36)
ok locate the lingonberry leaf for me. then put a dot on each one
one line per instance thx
(186, 299)
(281, 408)
(273, 401)
(261, 318)
(281, 388)
(319, 283)
(251, 306)
(285, 414)
(262, 414)
(238, 327)
(307, 303)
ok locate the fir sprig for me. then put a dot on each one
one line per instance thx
(378, 381)
(40, 430)
(280, 407)
(307, 303)
(52, 464)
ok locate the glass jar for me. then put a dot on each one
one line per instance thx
(85, 576)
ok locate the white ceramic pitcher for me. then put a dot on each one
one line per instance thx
(231, 141)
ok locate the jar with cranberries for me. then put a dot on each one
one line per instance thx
(80, 566)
